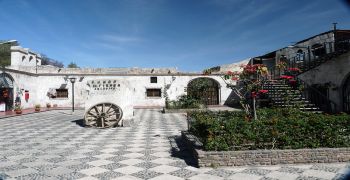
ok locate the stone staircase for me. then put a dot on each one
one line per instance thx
(281, 94)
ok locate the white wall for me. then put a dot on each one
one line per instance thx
(38, 87)
(24, 57)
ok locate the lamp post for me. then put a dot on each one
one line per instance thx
(72, 80)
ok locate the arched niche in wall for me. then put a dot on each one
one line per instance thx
(204, 89)
(23, 58)
(300, 55)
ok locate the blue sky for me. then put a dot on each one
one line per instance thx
(188, 34)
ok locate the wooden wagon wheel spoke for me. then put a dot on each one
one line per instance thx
(109, 108)
(94, 115)
(96, 110)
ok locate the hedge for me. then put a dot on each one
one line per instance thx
(274, 129)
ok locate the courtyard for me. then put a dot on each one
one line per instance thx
(54, 145)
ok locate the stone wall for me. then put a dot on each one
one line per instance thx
(333, 73)
(264, 157)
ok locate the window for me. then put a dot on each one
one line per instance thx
(153, 92)
(318, 50)
(153, 79)
(61, 93)
(300, 55)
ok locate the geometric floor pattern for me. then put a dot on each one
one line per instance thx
(54, 145)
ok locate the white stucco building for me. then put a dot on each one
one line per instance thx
(27, 81)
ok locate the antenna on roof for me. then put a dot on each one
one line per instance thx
(335, 26)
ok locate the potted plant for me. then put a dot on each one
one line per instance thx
(18, 109)
(48, 105)
(37, 108)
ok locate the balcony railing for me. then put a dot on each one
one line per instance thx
(318, 55)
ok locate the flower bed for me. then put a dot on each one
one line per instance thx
(263, 157)
(275, 129)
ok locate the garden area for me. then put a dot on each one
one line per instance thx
(275, 128)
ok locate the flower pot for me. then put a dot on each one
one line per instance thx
(18, 111)
(37, 109)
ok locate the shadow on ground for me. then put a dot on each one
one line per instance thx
(79, 122)
(180, 150)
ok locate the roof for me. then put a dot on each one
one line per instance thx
(331, 31)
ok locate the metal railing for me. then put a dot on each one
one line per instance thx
(316, 97)
(308, 92)
(314, 57)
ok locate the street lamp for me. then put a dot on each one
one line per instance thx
(72, 80)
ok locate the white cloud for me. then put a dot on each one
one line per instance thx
(120, 39)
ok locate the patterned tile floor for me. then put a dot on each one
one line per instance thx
(53, 145)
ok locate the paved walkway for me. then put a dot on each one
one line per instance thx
(53, 145)
(6, 114)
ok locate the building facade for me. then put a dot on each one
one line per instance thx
(28, 82)
(324, 62)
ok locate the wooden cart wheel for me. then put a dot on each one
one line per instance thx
(103, 115)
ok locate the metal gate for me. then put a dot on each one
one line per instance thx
(204, 89)
(346, 95)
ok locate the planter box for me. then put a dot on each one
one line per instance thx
(263, 157)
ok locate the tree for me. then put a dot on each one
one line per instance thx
(5, 52)
(248, 85)
(72, 65)
(48, 61)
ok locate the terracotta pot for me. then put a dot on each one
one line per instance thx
(18, 111)
(37, 109)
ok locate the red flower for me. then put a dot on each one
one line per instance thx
(286, 77)
(254, 94)
(234, 78)
(229, 72)
(263, 91)
(294, 69)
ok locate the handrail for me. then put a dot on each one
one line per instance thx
(309, 60)
(316, 97)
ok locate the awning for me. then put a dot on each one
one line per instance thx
(5, 81)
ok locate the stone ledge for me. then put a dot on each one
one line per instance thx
(263, 157)
(165, 110)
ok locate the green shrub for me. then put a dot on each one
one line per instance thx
(275, 129)
(185, 102)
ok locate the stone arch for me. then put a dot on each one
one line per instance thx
(346, 93)
(205, 89)
(6, 91)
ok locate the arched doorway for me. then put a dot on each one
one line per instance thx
(6, 92)
(204, 89)
(346, 95)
